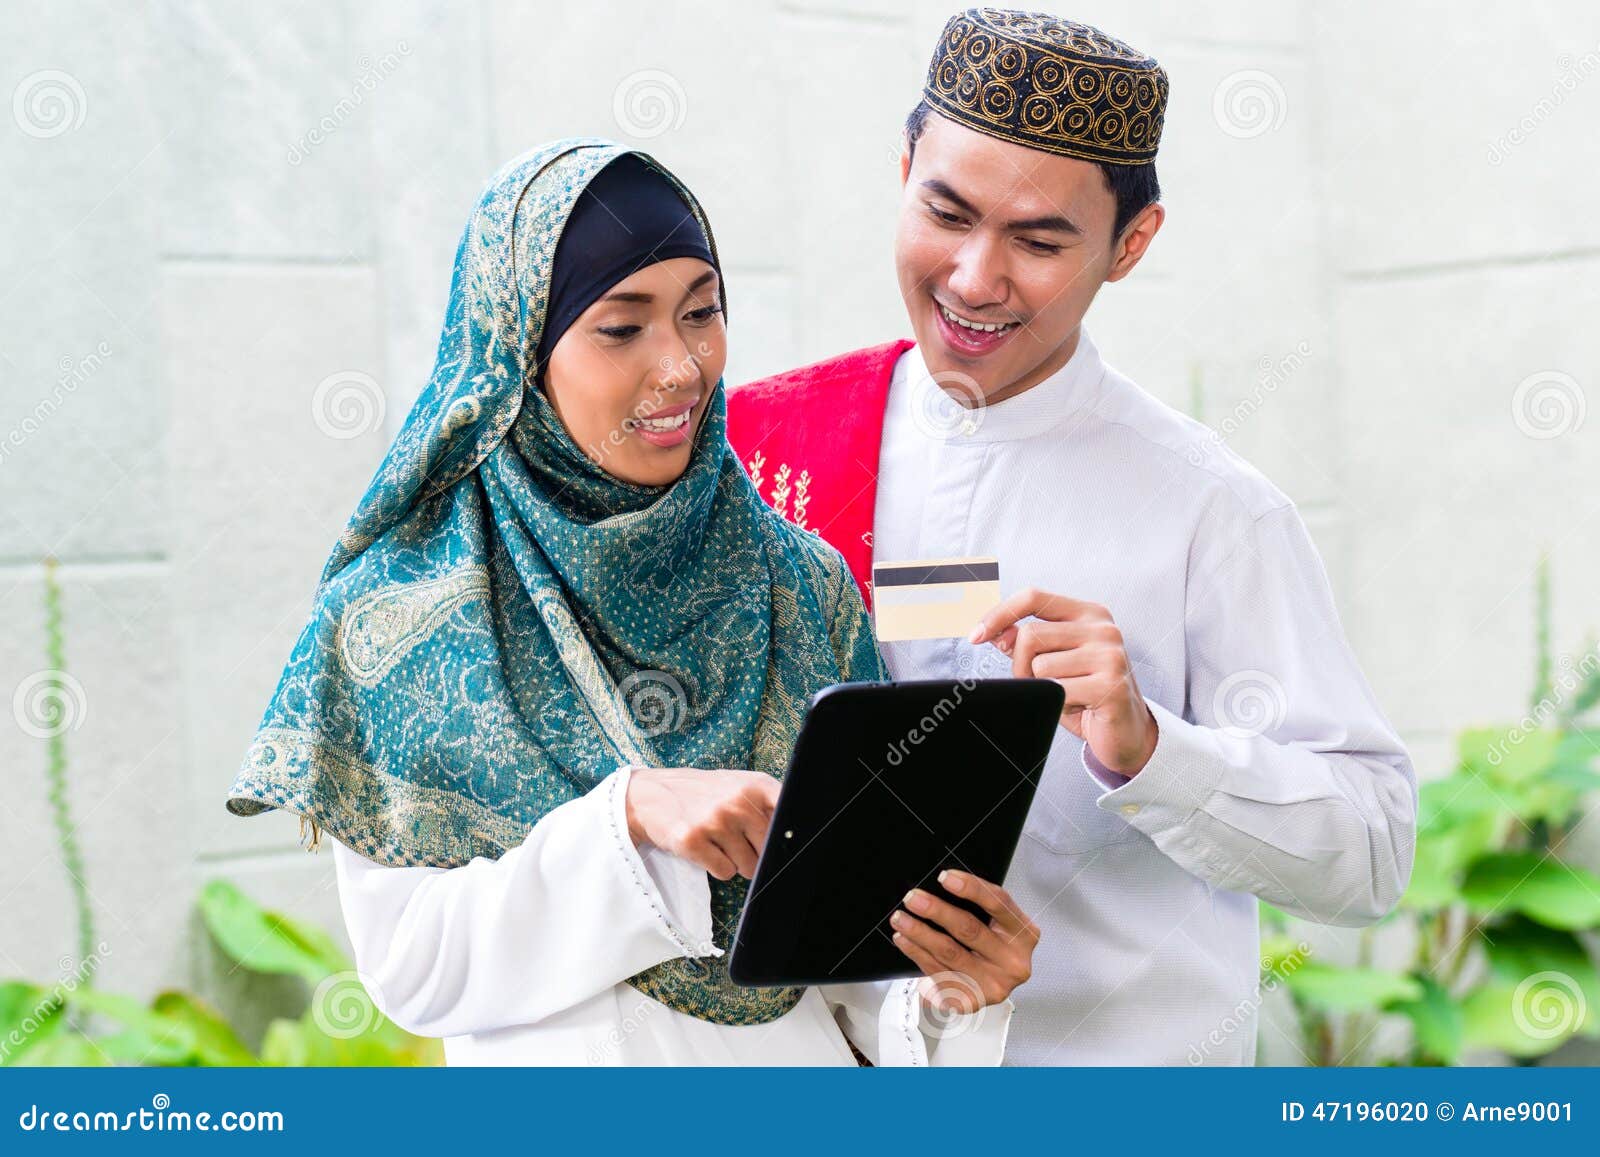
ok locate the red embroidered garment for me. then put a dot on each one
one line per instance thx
(809, 439)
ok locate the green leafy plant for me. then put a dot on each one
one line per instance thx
(1498, 912)
(59, 1024)
(340, 1026)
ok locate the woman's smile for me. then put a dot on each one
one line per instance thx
(668, 426)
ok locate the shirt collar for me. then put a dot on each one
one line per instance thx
(1026, 415)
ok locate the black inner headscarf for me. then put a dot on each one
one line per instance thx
(628, 217)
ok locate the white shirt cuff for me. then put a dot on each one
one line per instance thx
(679, 891)
(1183, 772)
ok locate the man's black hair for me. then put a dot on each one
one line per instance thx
(1134, 186)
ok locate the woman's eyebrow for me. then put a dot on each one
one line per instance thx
(647, 298)
(699, 282)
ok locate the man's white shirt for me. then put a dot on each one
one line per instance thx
(1275, 773)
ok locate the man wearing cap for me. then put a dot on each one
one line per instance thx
(1219, 742)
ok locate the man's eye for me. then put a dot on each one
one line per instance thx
(947, 218)
(1043, 248)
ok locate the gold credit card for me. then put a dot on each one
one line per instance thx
(935, 598)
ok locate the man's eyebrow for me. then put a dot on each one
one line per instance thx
(647, 298)
(939, 189)
(1053, 222)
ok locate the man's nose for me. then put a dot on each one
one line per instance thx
(977, 274)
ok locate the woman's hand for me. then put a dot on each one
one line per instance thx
(979, 962)
(715, 818)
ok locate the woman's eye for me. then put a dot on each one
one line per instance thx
(703, 315)
(618, 332)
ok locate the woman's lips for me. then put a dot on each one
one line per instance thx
(970, 342)
(667, 426)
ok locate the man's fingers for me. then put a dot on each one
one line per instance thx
(1067, 664)
(1027, 642)
(1039, 604)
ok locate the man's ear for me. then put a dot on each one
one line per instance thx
(1135, 240)
(905, 166)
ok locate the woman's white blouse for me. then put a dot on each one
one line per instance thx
(523, 960)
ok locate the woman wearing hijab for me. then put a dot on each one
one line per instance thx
(559, 657)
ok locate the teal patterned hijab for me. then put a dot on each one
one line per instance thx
(503, 624)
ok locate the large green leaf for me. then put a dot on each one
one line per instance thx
(303, 1043)
(1536, 884)
(1517, 1019)
(1509, 755)
(1436, 1021)
(1458, 797)
(1523, 952)
(267, 941)
(34, 1014)
(215, 1042)
(1443, 852)
(69, 1049)
(147, 1037)
(284, 1045)
(1337, 989)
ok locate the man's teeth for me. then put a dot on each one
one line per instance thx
(982, 328)
(663, 425)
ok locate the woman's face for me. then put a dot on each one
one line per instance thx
(631, 378)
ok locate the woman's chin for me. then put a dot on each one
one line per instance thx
(651, 465)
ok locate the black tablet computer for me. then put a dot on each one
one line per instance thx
(889, 784)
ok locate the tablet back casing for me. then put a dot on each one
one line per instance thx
(889, 784)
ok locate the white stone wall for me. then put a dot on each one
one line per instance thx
(1380, 226)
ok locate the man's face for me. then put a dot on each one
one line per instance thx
(994, 234)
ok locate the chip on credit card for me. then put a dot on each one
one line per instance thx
(936, 598)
